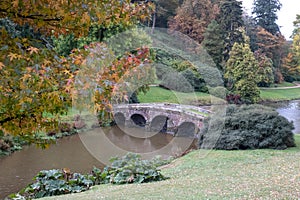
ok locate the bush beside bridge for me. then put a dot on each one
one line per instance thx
(247, 127)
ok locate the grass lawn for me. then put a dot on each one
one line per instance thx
(283, 84)
(280, 94)
(158, 94)
(202, 174)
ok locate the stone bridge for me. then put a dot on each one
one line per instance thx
(180, 120)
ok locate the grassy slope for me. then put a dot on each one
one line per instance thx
(251, 174)
(280, 94)
(283, 84)
(158, 94)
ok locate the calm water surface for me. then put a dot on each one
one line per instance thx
(18, 169)
(291, 111)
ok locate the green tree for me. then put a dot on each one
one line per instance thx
(164, 11)
(265, 72)
(296, 25)
(251, 30)
(240, 72)
(213, 43)
(266, 14)
(230, 20)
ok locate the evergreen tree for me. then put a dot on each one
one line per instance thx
(296, 25)
(165, 10)
(265, 72)
(240, 72)
(230, 20)
(213, 43)
(265, 11)
(251, 30)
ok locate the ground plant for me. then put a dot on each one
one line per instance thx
(130, 168)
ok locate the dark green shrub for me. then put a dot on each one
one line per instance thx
(25, 31)
(127, 169)
(219, 91)
(171, 63)
(56, 182)
(10, 144)
(211, 75)
(64, 44)
(132, 169)
(247, 127)
(195, 80)
(161, 70)
(175, 81)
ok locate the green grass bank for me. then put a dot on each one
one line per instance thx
(280, 94)
(158, 94)
(203, 174)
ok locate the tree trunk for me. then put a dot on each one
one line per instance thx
(154, 21)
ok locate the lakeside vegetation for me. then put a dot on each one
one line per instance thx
(217, 174)
(127, 169)
(280, 94)
(283, 84)
(158, 94)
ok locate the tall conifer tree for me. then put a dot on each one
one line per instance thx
(266, 14)
(213, 43)
(240, 72)
(230, 20)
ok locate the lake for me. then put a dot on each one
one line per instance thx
(83, 151)
(290, 110)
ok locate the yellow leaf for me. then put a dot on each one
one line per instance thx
(28, 69)
(15, 3)
(47, 62)
(12, 56)
(1, 65)
(65, 71)
(32, 50)
(26, 76)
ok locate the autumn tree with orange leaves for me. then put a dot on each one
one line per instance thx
(193, 17)
(273, 47)
(291, 63)
(36, 84)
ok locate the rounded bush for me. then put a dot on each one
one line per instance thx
(161, 70)
(247, 127)
(175, 81)
(218, 91)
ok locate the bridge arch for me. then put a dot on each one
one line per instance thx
(187, 129)
(120, 119)
(182, 120)
(138, 120)
(159, 123)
